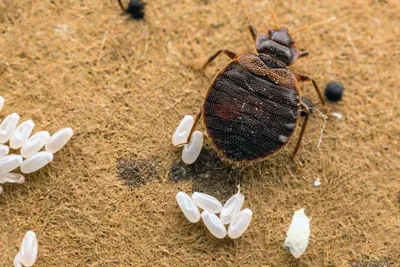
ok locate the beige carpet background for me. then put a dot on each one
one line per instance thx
(124, 85)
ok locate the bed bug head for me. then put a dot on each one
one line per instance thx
(279, 44)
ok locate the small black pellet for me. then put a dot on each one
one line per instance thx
(308, 103)
(136, 9)
(334, 91)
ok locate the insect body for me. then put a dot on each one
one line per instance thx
(253, 105)
(248, 114)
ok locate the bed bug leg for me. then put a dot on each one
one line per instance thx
(183, 130)
(229, 53)
(196, 121)
(253, 31)
(303, 128)
(121, 5)
(303, 54)
(305, 78)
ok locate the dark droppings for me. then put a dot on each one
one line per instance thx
(209, 174)
(334, 91)
(136, 9)
(137, 172)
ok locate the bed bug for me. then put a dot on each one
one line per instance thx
(252, 107)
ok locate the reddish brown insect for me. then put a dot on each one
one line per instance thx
(253, 106)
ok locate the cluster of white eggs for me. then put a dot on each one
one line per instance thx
(230, 213)
(191, 148)
(299, 230)
(28, 252)
(31, 158)
(239, 220)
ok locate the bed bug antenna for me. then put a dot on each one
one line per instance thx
(273, 16)
(121, 5)
(312, 25)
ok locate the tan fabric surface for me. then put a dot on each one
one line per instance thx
(124, 85)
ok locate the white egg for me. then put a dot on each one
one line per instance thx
(182, 132)
(21, 134)
(207, 202)
(58, 140)
(10, 162)
(189, 209)
(1, 102)
(7, 127)
(191, 151)
(35, 143)
(17, 260)
(29, 249)
(240, 223)
(14, 178)
(213, 224)
(36, 162)
(4, 150)
(231, 208)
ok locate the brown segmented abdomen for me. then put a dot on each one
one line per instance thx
(248, 116)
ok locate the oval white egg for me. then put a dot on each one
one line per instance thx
(213, 224)
(37, 161)
(58, 140)
(189, 209)
(207, 202)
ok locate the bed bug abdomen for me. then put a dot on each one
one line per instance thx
(247, 112)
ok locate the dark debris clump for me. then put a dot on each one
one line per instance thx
(137, 172)
(209, 174)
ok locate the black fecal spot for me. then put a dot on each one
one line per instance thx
(137, 172)
(209, 174)
(136, 9)
(334, 91)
